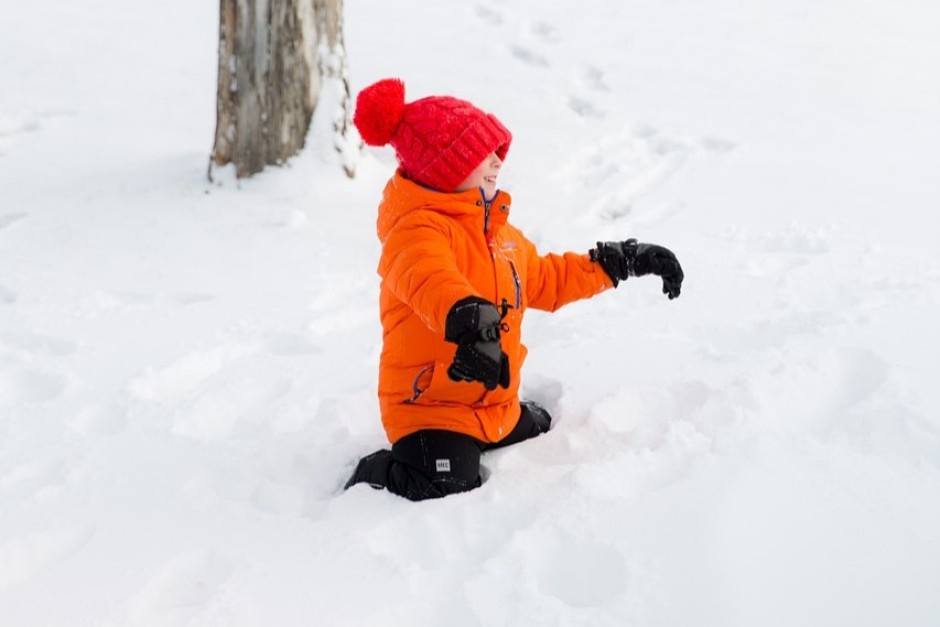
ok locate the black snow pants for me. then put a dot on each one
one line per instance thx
(433, 463)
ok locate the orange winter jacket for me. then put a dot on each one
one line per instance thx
(437, 249)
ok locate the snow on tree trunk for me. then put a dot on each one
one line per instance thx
(269, 78)
(333, 68)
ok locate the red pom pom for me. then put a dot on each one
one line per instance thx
(379, 109)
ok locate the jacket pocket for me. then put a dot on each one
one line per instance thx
(433, 386)
(421, 383)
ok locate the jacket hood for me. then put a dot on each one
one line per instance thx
(402, 196)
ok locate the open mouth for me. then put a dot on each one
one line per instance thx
(489, 179)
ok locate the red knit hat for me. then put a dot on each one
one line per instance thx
(439, 140)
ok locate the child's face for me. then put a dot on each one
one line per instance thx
(484, 176)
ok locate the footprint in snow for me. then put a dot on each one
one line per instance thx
(593, 78)
(528, 56)
(491, 16)
(544, 32)
(585, 108)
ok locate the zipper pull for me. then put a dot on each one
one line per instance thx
(504, 307)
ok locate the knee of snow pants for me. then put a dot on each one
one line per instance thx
(434, 463)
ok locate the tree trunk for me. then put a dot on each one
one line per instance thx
(269, 78)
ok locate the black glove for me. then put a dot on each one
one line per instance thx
(473, 323)
(625, 259)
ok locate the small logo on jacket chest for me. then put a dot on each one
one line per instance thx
(506, 245)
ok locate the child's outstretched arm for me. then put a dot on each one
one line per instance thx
(556, 280)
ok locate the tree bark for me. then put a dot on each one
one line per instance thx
(269, 78)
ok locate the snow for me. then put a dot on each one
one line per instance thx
(188, 369)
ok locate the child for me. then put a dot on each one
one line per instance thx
(457, 279)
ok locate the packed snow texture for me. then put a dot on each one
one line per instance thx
(188, 369)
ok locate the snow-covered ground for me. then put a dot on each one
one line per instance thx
(188, 369)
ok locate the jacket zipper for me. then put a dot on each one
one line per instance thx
(515, 275)
(515, 278)
(486, 209)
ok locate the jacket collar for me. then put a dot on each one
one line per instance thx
(402, 196)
